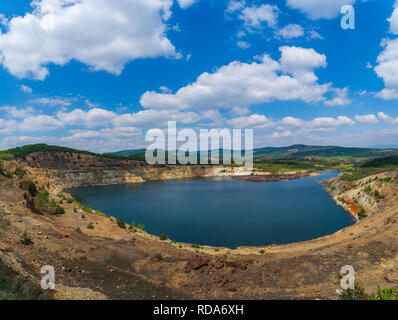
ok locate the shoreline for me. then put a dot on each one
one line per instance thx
(264, 178)
(97, 258)
(276, 177)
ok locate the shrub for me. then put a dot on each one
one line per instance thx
(262, 251)
(19, 173)
(362, 214)
(141, 227)
(74, 209)
(368, 189)
(163, 237)
(354, 294)
(100, 213)
(90, 226)
(377, 195)
(25, 239)
(41, 200)
(385, 294)
(59, 210)
(195, 246)
(87, 209)
(120, 222)
(83, 216)
(31, 187)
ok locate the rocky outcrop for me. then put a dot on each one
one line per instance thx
(61, 170)
(62, 179)
(367, 195)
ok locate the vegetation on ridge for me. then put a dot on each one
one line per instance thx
(21, 152)
(358, 293)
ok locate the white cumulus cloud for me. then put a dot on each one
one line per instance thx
(92, 118)
(368, 118)
(102, 34)
(186, 3)
(290, 31)
(318, 122)
(241, 84)
(254, 16)
(387, 67)
(25, 89)
(253, 121)
(40, 123)
(319, 9)
(340, 99)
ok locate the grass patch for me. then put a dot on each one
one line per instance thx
(163, 237)
(360, 173)
(358, 293)
(385, 294)
(120, 223)
(362, 214)
(87, 209)
(25, 239)
(13, 287)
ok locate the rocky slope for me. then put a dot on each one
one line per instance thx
(109, 262)
(66, 169)
(369, 195)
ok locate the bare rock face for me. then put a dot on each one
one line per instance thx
(157, 257)
(239, 265)
(392, 277)
(69, 169)
(218, 263)
(196, 262)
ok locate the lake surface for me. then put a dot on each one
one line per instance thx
(223, 212)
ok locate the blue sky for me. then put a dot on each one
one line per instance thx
(97, 74)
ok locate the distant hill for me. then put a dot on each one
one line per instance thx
(21, 152)
(126, 152)
(300, 151)
(381, 162)
(303, 151)
(269, 153)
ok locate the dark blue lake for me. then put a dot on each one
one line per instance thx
(223, 212)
